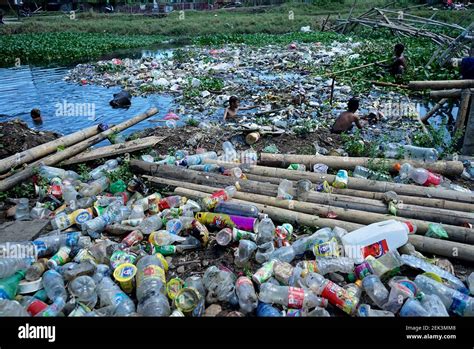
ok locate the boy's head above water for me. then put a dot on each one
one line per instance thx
(233, 102)
(398, 49)
(353, 104)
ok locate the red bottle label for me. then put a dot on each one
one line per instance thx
(295, 297)
(377, 249)
(432, 179)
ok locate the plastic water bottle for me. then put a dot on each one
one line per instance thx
(265, 231)
(110, 294)
(101, 271)
(9, 285)
(69, 193)
(53, 284)
(419, 175)
(197, 159)
(434, 305)
(75, 270)
(174, 226)
(169, 202)
(364, 310)
(413, 308)
(211, 201)
(54, 309)
(150, 224)
(151, 286)
(376, 239)
(22, 212)
(236, 209)
(284, 189)
(206, 168)
(245, 291)
(245, 252)
(283, 254)
(419, 153)
(8, 266)
(264, 251)
(50, 172)
(164, 237)
(335, 294)
(376, 290)
(230, 155)
(453, 300)
(364, 172)
(50, 244)
(11, 308)
(220, 285)
(292, 297)
(35, 270)
(267, 310)
(96, 187)
(84, 289)
(325, 266)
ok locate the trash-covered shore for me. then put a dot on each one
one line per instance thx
(285, 83)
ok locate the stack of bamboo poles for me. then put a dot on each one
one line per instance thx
(347, 208)
(403, 24)
(46, 153)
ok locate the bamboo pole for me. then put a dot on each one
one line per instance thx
(454, 93)
(73, 150)
(346, 215)
(414, 200)
(440, 84)
(280, 214)
(248, 186)
(357, 183)
(443, 248)
(114, 149)
(46, 148)
(434, 110)
(447, 168)
(463, 109)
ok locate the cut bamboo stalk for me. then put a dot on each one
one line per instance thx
(71, 151)
(443, 248)
(219, 181)
(357, 183)
(280, 214)
(454, 93)
(347, 215)
(433, 110)
(463, 108)
(46, 148)
(114, 149)
(412, 200)
(447, 168)
(440, 84)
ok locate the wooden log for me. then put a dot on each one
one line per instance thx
(248, 186)
(440, 84)
(357, 183)
(446, 168)
(71, 151)
(453, 93)
(433, 110)
(350, 15)
(46, 148)
(347, 215)
(468, 143)
(279, 214)
(463, 109)
(114, 149)
(414, 200)
(443, 248)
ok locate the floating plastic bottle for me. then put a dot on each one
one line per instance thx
(8, 266)
(419, 175)
(364, 172)
(230, 155)
(236, 209)
(84, 289)
(419, 153)
(53, 284)
(50, 172)
(96, 187)
(110, 294)
(375, 290)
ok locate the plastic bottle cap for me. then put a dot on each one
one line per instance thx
(36, 307)
(351, 277)
(397, 167)
(187, 299)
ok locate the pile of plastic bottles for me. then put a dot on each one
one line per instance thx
(82, 269)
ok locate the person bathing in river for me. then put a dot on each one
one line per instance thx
(231, 111)
(344, 121)
(399, 64)
(36, 116)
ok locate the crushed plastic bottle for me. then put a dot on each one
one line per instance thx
(291, 297)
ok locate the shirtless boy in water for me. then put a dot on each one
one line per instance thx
(233, 108)
(344, 121)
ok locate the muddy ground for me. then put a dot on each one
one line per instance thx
(16, 136)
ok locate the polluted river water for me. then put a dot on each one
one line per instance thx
(67, 106)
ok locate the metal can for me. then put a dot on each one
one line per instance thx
(264, 273)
